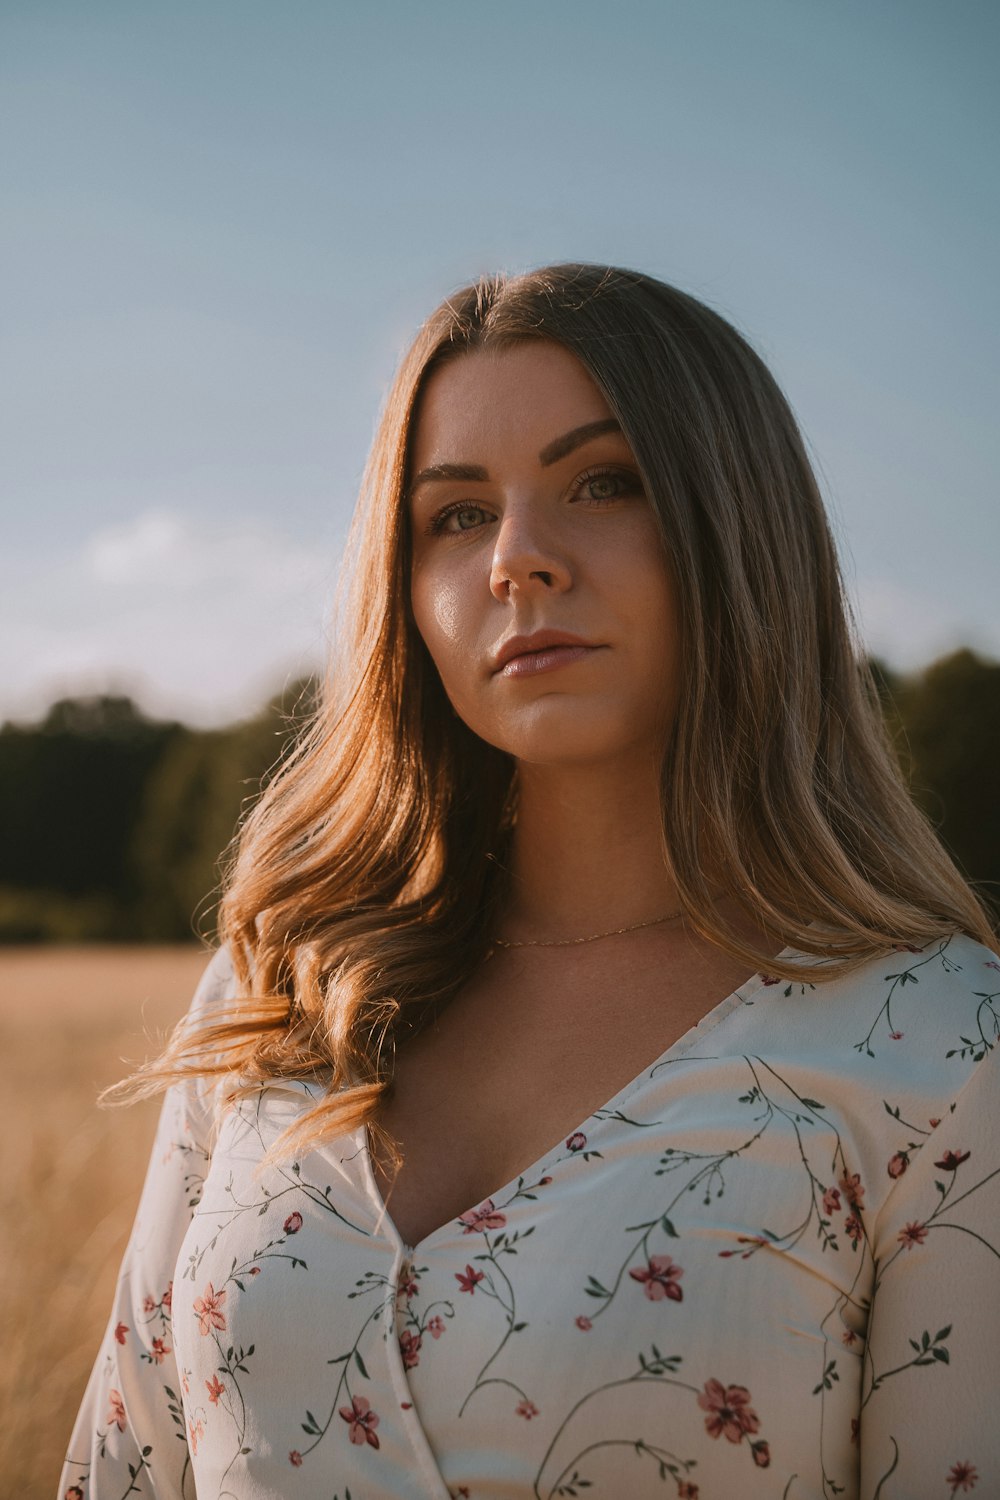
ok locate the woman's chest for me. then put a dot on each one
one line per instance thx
(513, 1068)
(661, 1280)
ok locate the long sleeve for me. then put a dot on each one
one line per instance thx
(130, 1430)
(933, 1353)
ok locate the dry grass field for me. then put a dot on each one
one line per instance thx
(70, 1174)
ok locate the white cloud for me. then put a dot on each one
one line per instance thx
(199, 619)
(909, 628)
(133, 552)
(204, 619)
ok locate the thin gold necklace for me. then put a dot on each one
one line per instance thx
(569, 942)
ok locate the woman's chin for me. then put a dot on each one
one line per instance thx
(577, 741)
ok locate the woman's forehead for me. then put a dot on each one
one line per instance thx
(529, 393)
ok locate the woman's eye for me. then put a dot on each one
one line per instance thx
(458, 512)
(607, 485)
(603, 487)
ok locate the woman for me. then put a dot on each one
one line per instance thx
(592, 1093)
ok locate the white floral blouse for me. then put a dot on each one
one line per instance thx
(768, 1267)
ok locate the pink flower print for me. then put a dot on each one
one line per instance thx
(527, 1409)
(660, 1278)
(761, 1454)
(73, 1493)
(295, 1458)
(753, 1240)
(848, 1337)
(853, 1230)
(207, 1309)
(159, 1352)
(850, 1184)
(148, 1304)
(196, 1430)
(896, 1036)
(293, 1223)
(254, 1271)
(363, 1421)
(855, 1431)
(544, 1181)
(467, 1283)
(435, 1326)
(768, 979)
(952, 1160)
(686, 1490)
(584, 1323)
(407, 1286)
(486, 1216)
(831, 1201)
(121, 1331)
(934, 1124)
(898, 1164)
(215, 1389)
(409, 1348)
(116, 1410)
(962, 1477)
(730, 1414)
(576, 1141)
(912, 1234)
(168, 1297)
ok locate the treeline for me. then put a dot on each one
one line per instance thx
(112, 824)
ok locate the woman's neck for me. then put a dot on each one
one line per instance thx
(586, 854)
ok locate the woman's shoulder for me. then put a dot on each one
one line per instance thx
(939, 1002)
(217, 984)
(947, 971)
(217, 1001)
(198, 1090)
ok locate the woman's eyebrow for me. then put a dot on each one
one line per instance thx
(570, 440)
(448, 471)
(550, 454)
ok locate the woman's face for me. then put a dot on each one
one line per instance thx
(528, 515)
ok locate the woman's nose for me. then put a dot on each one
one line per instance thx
(527, 555)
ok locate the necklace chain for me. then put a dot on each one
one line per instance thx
(569, 942)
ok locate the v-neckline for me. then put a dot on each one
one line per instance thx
(708, 1022)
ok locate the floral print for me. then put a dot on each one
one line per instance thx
(661, 1277)
(729, 1412)
(962, 1477)
(483, 1217)
(768, 1267)
(116, 1410)
(409, 1346)
(207, 1309)
(361, 1420)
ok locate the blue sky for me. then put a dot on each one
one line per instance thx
(223, 221)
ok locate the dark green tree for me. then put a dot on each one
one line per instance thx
(192, 806)
(70, 792)
(950, 721)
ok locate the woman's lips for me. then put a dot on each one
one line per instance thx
(545, 660)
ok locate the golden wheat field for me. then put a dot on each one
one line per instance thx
(71, 1174)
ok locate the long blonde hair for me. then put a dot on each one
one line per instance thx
(365, 884)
